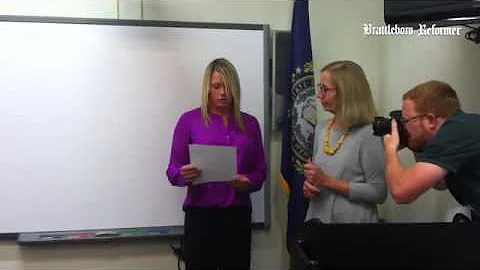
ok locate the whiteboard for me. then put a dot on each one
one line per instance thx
(87, 113)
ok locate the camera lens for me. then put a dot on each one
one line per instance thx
(381, 126)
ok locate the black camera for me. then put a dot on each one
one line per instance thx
(383, 125)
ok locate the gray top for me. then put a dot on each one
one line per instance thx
(360, 161)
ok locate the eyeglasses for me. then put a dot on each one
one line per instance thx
(406, 120)
(324, 89)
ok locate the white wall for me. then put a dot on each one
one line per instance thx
(392, 65)
(70, 8)
(337, 34)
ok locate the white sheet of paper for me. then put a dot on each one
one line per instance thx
(218, 163)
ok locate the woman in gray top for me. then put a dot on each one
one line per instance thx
(346, 179)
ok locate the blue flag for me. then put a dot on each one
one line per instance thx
(299, 119)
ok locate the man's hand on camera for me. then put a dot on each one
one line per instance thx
(392, 141)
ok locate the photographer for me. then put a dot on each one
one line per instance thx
(446, 142)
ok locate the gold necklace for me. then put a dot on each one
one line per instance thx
(326, 140)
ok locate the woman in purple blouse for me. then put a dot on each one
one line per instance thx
(218, 214)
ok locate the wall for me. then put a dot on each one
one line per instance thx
(392, 65)
(337, 34)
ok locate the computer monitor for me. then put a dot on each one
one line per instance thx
(390, 246)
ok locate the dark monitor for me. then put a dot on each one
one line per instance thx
(390, 246)
(411, 13)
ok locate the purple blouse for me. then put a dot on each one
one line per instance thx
(251, 162)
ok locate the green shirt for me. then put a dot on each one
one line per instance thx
(456, 148)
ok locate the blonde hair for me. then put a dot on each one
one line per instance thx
(354, 102)
(232, 84)
(434, 97)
